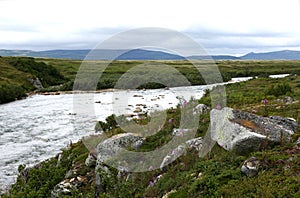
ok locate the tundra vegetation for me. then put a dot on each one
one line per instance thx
(59, 74)
(218, 174)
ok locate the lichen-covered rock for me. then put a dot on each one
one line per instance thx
(251, 167)
(109, 149)
(195, 143)
(111, 146)
(245, 132)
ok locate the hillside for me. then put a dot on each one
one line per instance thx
(141, 54)
(18, 76)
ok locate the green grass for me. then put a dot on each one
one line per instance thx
(217, 174)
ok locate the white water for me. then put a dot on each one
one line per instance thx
(36, 128)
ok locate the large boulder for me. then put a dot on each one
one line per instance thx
(108, 150)
(112, 146)
(245, 132)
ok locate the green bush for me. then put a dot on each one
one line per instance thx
(279, 90)
(9, 92)
(47, 74)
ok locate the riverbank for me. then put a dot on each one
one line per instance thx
(19, 75)
(218, 174)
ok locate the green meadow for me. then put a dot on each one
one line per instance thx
(60, 74)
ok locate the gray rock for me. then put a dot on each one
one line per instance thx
(298, 141)
(59, 158)
(245, 132)
(25, 173)
(90, 161)
(36, 83)
(108, 150)
(112, 146)
(180, 132)
(102, 172)
(195, 143)
(200, 109)
(70, 174)
(61, 189)
(251, 167)
(288, 99)
(67, 186)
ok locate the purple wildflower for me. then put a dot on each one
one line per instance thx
(151, 183)
(184, 103)
(174, 152)
(150, 168)
(219, 107)
(265, 101)
(170, 120)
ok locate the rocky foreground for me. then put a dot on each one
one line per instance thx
(78, 172)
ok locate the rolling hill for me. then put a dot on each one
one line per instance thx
(141, 54)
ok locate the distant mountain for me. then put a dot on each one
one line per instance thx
(215, 57)
(141, 54)
(278, 55)
(136, 54)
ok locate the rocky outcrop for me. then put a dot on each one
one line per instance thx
(36, 83)
(110, 148)
(245, 132)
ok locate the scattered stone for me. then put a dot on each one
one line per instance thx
(168, 193)
(245, 132)
(137, 95)
(195, 143)
(137, 110)
(70, 174)
(179, 132)
(250, 167)
(200, 109)
(288, 99)
(67, 186)
(61, 189)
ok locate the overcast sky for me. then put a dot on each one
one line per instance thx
(220, 26)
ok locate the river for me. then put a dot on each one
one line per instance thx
(38, 127)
